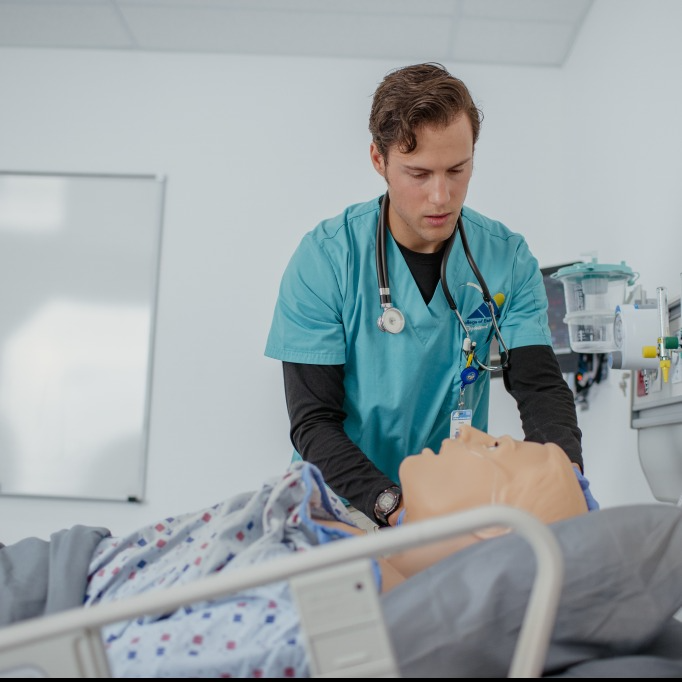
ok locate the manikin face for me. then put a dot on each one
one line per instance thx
(427, 187)
(478, 469)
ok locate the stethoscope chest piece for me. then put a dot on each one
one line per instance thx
(391, 321)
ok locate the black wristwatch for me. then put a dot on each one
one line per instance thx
(387, 502)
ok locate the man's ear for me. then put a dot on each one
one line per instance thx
(378, 160)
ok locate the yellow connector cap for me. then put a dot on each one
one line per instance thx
(649, 351)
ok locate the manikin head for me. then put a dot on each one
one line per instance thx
(478, 469)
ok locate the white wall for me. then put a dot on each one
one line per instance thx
(257, 150)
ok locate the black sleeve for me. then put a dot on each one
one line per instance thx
(315, 395)
(546, 403)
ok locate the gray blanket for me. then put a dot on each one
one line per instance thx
(622, 588)
(39, 577)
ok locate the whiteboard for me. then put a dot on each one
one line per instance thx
(79, 271)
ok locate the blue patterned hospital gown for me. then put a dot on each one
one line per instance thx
(254, 633)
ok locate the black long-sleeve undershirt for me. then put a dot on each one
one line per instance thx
(546, 403)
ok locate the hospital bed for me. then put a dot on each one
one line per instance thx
(336, 578)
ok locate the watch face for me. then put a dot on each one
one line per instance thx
(386, 500)
(386, 503)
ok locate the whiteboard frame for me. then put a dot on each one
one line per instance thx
(133, 490)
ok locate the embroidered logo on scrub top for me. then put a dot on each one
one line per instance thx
(480, 318)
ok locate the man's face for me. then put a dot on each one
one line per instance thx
(427, 187)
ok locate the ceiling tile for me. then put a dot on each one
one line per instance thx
(288, 33)
(528, 32)
(514, 43)
(384, 7)
(62, 24)
(558, 11)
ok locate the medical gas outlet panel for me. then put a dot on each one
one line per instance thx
(656, 412)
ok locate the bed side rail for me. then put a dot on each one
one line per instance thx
(67, 644)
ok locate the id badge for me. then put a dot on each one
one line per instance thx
(457, 418)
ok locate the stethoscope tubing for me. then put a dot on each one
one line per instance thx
(385, 293)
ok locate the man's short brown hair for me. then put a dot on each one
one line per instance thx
(414, 96)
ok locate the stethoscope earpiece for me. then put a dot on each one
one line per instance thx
(391, 321)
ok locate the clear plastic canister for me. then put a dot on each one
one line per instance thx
(592, 292)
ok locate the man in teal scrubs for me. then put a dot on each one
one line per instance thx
(361, 399)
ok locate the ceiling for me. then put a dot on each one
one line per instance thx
(511, 32)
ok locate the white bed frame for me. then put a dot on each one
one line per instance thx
(332, 579)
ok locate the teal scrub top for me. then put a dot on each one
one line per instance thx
(400, 389)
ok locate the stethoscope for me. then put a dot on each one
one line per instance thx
(393, 321)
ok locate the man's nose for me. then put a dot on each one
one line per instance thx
(439, 193)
